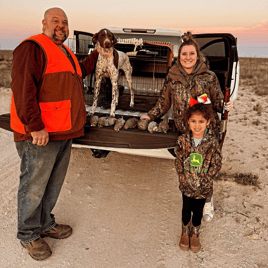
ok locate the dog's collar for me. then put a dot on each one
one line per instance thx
(105, 55)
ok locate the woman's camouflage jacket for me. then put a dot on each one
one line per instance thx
(196, 166)
(179, 86)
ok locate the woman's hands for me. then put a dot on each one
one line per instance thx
(145, 117)
(229, 106)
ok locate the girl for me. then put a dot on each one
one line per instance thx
(198, 160)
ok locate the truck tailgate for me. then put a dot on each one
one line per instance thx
(126, 138)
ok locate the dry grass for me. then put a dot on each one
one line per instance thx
(6, 55)
(258, 108)
(5, 78)
(5, 67)
(247, 179)
(254, 72)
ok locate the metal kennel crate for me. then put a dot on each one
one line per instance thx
(150, 63)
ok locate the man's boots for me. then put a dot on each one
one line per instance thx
(38, 249)
(194, 238)
(184, 242)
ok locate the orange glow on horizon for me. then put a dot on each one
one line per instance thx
(257, 34)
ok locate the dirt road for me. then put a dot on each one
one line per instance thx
(126, 210)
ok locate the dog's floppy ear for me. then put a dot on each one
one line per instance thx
(95, 38)
(114, 40)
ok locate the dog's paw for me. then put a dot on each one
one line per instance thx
(131, 104)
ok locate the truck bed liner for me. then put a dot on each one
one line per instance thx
(126, 138)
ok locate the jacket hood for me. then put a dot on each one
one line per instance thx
(177, 72)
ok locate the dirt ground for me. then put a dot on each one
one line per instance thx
(126, 210)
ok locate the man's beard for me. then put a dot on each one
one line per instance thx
(62, 38)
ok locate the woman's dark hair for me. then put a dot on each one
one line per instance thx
(204, 109)
(188, 41)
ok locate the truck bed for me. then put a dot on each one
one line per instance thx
(125, 138)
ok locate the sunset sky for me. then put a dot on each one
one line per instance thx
(246, 20)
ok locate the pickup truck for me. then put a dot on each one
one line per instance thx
(152, 52)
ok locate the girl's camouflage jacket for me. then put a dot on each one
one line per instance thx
(196, 166)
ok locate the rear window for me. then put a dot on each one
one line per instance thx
(212, 46)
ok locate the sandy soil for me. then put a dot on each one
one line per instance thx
(126, 210)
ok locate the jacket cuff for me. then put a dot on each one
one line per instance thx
(36, 126)
(151, 117)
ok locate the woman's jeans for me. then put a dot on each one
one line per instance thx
(192, 208)
(43, 170)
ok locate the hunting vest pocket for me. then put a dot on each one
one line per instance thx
(56, 115)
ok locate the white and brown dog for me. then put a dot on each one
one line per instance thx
(109, 62)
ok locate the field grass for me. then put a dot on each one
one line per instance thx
(5, 67)
(6, 55)
(253, 72)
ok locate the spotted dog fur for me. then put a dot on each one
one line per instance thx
(109, 62)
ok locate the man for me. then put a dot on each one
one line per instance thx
(47, 112)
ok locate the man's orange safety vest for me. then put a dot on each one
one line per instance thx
(55, 94)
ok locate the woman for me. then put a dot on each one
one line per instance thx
(189, 78)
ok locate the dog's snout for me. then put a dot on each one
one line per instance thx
(107, 43)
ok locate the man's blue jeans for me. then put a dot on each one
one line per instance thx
(43, 170)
